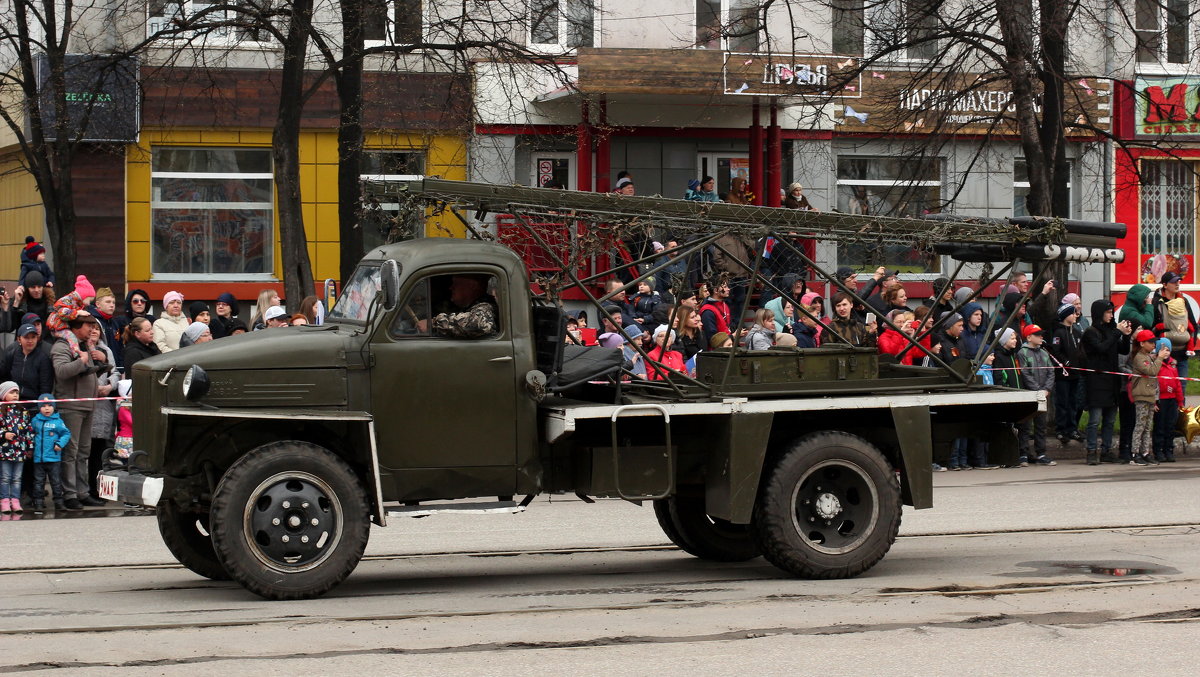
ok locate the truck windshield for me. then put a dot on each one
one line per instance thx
(354, 305)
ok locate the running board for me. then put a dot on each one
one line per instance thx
(487, 508)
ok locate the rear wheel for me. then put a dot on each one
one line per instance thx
(187, 536)
(830, 507)
(685, 522)
(290, 520)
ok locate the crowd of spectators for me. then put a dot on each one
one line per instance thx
(1129, 364)
(64, 383)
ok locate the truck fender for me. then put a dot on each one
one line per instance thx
(735, 465)
(915, 436)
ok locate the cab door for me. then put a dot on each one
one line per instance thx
(446, 419)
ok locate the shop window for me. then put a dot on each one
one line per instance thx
(562, 24)
(904, 29)
(384, 218)
(212, 213)
(1021, 188)
(1162, 28)
(728, 24)
(888, 187)
(848, 27)
(393, 22)
(224, 26)
(1168, 206)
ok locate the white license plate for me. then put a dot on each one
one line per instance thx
(108, 488)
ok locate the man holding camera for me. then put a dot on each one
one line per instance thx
(75, 370)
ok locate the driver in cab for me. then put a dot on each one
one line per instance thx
(471, 312)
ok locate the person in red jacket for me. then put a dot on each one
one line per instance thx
(662, 354)
(893, 343)
(1166, 413)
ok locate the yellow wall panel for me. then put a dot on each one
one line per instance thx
(227, 138)
(138, 262)
(327, 222)
(308, 147)
(325, 265)
(327, 149)
(327, 189)
(255, 137)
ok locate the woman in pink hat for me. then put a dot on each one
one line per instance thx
(169, 326)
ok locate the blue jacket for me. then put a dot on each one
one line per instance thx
(972, 339)
(49, 431)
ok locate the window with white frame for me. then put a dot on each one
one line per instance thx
(212, 213)
(728, 24)
(903, 29)
(1168, 208)
(1021, 187)
(218, 25)
(562, 24)
(888, 186)
(393, 22)
(383, 218)
(1162, 28)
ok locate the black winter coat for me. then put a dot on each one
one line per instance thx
(1102, 344)
(32, 372)
(1065, 347)
(136, 351)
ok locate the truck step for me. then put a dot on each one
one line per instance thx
(485, 508)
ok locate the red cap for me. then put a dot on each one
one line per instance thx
(1144, 335)
(1030, 329)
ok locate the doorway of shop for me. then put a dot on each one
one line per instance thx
(724, 167)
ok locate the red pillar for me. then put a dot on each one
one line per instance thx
(774, 160)
(603, 150)
(756, 154)
(583, 149)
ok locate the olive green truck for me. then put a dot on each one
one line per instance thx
(270, 455)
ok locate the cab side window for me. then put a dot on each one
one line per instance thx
(461, 306)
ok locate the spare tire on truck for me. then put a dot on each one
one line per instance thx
(829, 507)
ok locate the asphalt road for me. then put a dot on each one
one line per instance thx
(1072, 568)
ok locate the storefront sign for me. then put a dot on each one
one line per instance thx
(963, 103)
(791, 75)
(100, 97)
(1167, 107)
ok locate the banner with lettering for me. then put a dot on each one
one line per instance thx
(1167, 107)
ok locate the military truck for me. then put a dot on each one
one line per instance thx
(270, 455)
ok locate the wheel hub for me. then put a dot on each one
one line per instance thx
(827, 506)
(292, 522)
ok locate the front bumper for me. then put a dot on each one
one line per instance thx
(136, 488)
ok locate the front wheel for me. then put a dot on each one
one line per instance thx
(187, 536)
(289, 520)
(830, 507)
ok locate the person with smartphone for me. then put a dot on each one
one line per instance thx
(1102, 346)
(849, 329)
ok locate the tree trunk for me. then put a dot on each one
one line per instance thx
(350, 138)
(285, 150)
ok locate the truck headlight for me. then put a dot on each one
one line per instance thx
(195, 383)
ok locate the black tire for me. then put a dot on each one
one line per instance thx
(829, 508)
(289, 521)
(187, 536)
(684, 521)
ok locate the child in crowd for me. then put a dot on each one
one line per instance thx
(14, 447)
(71, 307)
(662, 353)
(1170, 399)
(979, 447)
(1143, 390)
(33, 257)
(124, 439)
(50, 435)
(1037, 373)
